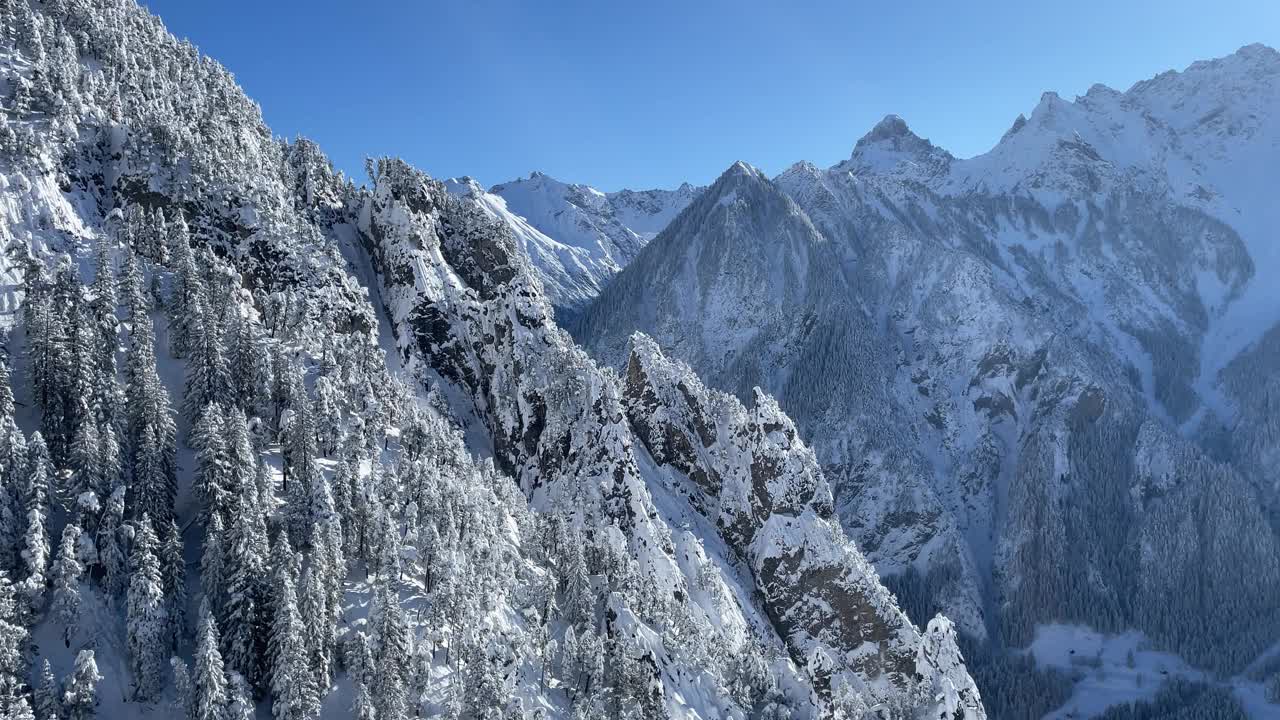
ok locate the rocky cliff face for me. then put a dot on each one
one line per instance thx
(576, 237)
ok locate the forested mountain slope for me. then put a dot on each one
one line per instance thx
(1032, 377)
(280, 444)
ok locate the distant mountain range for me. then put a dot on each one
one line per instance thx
(1042, 381)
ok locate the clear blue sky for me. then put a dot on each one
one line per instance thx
(643, 93)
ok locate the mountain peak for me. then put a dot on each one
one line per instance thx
(465, 186)
(890, 127)
(892, 148)
(1259, 51)
(737, 174)
(741, 169)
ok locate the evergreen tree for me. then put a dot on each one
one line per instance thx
(210, 678)
(80, 696)
(110, 544)
(244, 563)
(86, 454)
(249, 364)
(173, 571)
(67, 571)
(292, 680)
(242, 461)
(13, 463)
(35, 556)
(177, 239)
(341, 489)
(158, 236)
(392, 635)
(317, 624)
(240, 703)
(151, 430)
(208, 379)
(137, 307)
(40, 474)
(211, 561)
(184, 693)
(362, 707)
(48, 353)
(48, 701)
(110, 473)
(6, 390)
(148, 631)
(14, 704)
(209, 438)
(13, 634)
(301, 469)
(580, 599)
(103, 289)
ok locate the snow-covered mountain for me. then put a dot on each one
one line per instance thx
(394, 488)
(1032, 376)
(577, 237)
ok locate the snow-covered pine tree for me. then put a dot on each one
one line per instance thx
(131, 291)
(301, 469)
(158, 236)
(340, 486)
(86, 454)
(362, 705)
(211, 558)
(40, 473)
(240, 698)
(317, 625)
(13, 633)
(393, 650)
(14, 704)
(243, 568)
(210, 681)
(47, 346)
(211, 483)
(293, 688)
(328, 415)
(110, 467)
(208, 378)
(6, 390)
(148, 626)
(248, 363)
(242, 460)
(48, 694)
(580, 599)
(80, 693)
(110, 544)
(173, 571)
(35, 557)
(184, 693)
(152, 431)
(67, 571)
(177, 238)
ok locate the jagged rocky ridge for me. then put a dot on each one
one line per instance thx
(467, 307)
(576, 237)
(690, 584)
(1028, 375)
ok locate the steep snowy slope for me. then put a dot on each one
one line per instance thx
(482, 529)
(465, 304)
(999, 356)
(576, 236)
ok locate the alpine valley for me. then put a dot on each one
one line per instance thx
(909, 438)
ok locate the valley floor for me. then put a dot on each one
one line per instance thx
(1115, 669)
